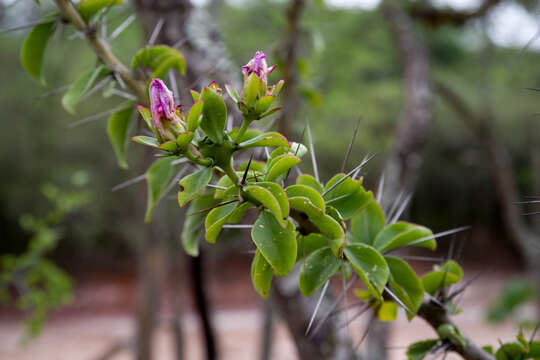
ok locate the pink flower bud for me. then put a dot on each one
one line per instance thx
(167, 118)
(259, 66)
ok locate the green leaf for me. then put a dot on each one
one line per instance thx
(448, 274)
(170, 146)
(184, 139)
(117, 129)
(88, 8)
(267, 139)
(266, 197)
(214, 115)
(157, 178)
(146, 140)
(251, 89)
(261, 275)
(193, 184)
(318, 267)
(195, 95)
(367, 223)
(405, 284)
(276, 244)
(308, 192)
(279, 194)
(298, 149)
(370, 266)
(238, 214)
(419, 350)
(348, 197)
(264, 103)
(281, 165)
(309, 243)
(146, 115)
(325, 223)
(387, 311)
(194, 220)
(401, 233)
(216, 219)
(232, 93)
(81, 86)
(161, 59)
(310, 181)
(194, 115)
(34, 47)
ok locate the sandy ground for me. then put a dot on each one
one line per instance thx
(87, 329)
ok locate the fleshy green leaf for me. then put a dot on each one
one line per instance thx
(146, 115)
(81, 86)
(238, 214)
(193, 184)
(34, 47)
(194, 222)
(261, 275)
(232, 93)
(194, 115)
(318, 267)
(117, 129)
(370, 266)
(280, 166)
(216, 219)
(387, 311)
(447, 274)
(308, 192)
(251, 89)
(325, 223)
(405, 284)
(264, 103)
(402, 233)
(146, 140)
(310, 181)
(276, 244)
(266, 197)
(309, 243)
(267, 139)
(348, 197)
(367, 223)
(88, 8)
(419, 350)
(157, 178)
(184, 139)
(214, 115)
(160, 59)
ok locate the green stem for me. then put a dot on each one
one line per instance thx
(197, 160)
(242, 130)
(231, 174)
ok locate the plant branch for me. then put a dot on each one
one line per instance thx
(436, 16)
(101, 47)
(435, 315)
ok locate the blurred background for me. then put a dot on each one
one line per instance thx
(442, 91)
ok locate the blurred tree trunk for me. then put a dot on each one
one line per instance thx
(402, 166)
(482, 125)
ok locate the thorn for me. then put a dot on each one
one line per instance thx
(175, 180)
(345, 303)
(422, 258)
(534, 332)
(174, 86)
(468, 283)
(98, 86)
(246, 171)
(97, 116)
(216, 187)
(123, 94)
(55, 91)
(366, 332)
(319, 301)
(348, 174)
(349, 149)
(155, 32)
(122, 27)
(25, 26)
(380, 189)
(438, 235)
(396, 299)
(395, 204)
(237, 226)
(213, 207)
(128, 182)
(401, 208)
(312, 152)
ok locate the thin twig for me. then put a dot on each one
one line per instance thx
(349, 149)
(312, 152)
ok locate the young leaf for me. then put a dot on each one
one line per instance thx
(267, 139)
(157, 177)
(214, 115)
(387, 311)
(264, 103)
(146, 140)
(367, 223)
(309, 243)
(251, 89)
(279, 194)
(184, 139)
(447, 274)
(405, 284)
(276, 244)
(146, 115)
(88, 8)
(193, 184)
(81, 86)
(401, 233)
(261, 275)
(308, 192)
(318, 267)
(193, 224)
(117, 130)
(216, 219)
(370, 266)
(232, 93)
(419, 350)
(34, 47)
(194, 115)
(238, 214)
